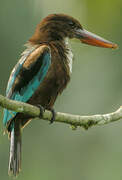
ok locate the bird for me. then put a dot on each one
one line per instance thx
(42, 73)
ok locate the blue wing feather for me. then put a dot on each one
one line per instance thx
(26, 92)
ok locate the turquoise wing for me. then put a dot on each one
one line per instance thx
(29, 81)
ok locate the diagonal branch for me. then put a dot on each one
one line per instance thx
(73, 120)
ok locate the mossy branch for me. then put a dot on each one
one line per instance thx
(73, 120)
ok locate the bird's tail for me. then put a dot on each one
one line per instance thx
(15, 149)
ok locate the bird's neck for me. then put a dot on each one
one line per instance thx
(69, 54)
(65, 52)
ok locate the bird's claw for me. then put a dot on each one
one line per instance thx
(42, 110)
(53, 115)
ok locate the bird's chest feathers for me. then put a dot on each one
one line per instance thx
(69, 55)
(63, 57)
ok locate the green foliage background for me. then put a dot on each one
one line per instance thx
(56, 152)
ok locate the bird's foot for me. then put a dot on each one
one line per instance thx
(42, 110)
(53, 115)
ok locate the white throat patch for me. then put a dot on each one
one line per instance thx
(69, 55)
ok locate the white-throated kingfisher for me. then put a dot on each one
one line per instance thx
(42, 73)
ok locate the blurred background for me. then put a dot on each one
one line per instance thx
(55, 151)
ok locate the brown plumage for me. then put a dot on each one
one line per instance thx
(43, 72)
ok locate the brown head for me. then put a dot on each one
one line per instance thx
(57, 27)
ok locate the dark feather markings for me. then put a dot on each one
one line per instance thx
(27, 74)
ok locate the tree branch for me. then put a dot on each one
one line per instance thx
(73, 120)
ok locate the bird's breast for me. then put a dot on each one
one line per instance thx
(69, 55)
(61, 68)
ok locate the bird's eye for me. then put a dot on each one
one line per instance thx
(71, 23)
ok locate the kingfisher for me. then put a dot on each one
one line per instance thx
(42, 73)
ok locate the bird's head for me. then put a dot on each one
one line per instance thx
(57, 27)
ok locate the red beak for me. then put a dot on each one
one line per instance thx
(94, 40)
